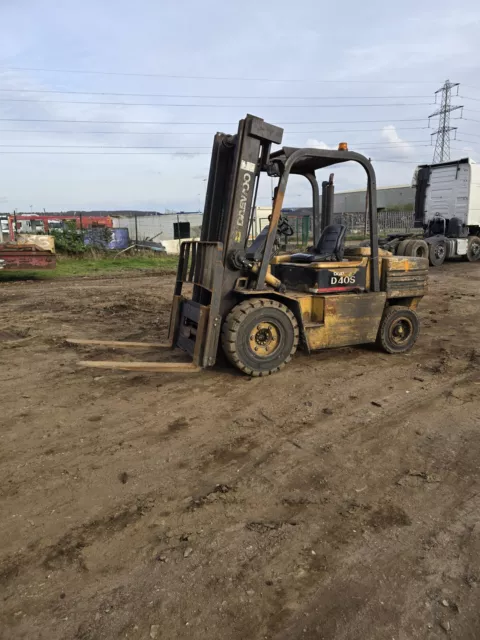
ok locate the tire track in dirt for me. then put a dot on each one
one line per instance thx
(357, 486)
(244, 447)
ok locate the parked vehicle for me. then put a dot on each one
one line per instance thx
(447, 209)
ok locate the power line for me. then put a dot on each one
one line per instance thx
(157, 153)
(192, 133)
(369, 144)
(464, 151)
(217, 106)
(474, 135)
(93, 146)
(170, 123)
(463, 139)
(188, 150)
(212, 97)
(399, 161)
(228, 78)
(108, 153)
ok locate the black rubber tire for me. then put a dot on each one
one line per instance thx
(400, 251)
(437, 252)
(473, 249)
(237, 329)
(417, 249)
(391, 320)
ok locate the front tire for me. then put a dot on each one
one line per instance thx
(437, 253)
(259, 336)
(398, 329)
(473, 249)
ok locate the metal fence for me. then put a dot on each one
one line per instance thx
(388, 222)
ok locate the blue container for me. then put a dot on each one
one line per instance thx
(96, 236)
(120, 239)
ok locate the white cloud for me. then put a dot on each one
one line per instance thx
(312, 143)
(389, 133)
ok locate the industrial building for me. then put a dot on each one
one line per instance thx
(395, 197)
(168, 228)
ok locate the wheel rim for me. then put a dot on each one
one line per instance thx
(475, 246)
(401, 331)
(440, 251)
(264, 339)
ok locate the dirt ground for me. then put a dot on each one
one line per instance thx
(338, 499)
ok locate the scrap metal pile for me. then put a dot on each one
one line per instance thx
(28, 252)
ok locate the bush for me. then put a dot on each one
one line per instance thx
(69, 240)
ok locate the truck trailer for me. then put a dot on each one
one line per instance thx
(447, 210)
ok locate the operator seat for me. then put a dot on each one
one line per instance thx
(330, 247)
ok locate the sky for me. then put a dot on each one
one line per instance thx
(86, 86)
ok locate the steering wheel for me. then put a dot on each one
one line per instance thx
(284, 228)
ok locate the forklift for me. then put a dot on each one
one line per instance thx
(257, 304)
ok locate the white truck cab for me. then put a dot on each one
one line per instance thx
(447, 206)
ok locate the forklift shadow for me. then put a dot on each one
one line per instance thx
(343, 356)
(303, 361)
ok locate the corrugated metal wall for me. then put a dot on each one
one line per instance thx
(158, 227)
(353, 201)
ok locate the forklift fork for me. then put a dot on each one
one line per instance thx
(194, 322)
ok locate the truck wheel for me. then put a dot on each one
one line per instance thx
(437, 253)
(417, 249)
(473, 249)
(398, 330)
(259, 336)
(400, 251)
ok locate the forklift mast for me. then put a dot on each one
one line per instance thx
(231, 193)
(214, 264)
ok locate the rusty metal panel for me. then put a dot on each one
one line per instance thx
(348, 320)
(25, 259)
(405, 277)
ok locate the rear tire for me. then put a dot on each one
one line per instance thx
(259, 336)
(437, 253)
(399, 329)
(417, 249)
(473, 249)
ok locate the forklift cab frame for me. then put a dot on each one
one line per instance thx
(294, 161)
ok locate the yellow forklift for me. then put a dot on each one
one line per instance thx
(259, 305)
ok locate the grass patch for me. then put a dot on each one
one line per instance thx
(104, 265)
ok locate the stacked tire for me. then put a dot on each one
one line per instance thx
(413, 248)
